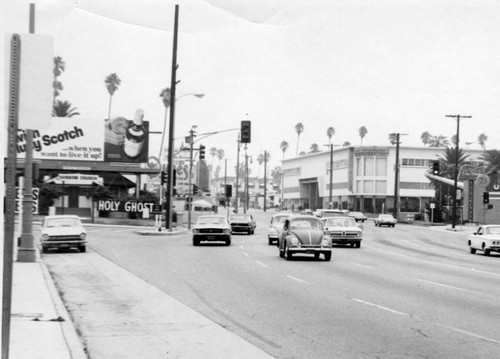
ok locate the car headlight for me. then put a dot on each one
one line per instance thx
(83, 236)
(326, 241)
(195, 231)
(45, 237)
(294, 241)
(227, 231)
(360, 234)
(273, 231)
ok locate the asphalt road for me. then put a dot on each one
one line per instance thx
(408, 292)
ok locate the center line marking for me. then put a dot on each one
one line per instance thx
(296, 279)
(380, 307)
(262, 264)
(361, 265)
(468, 333)
(246, 254)
(441, 284)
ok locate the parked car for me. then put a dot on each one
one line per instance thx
(211, 228)
(242, 223)
(322, 213)
(385, 220)
(304, 234)
(358, 216)
(63, 231)
(343, 230)
(276, 226)
(486, 239)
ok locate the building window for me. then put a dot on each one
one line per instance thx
(380, 187)
(368, 187)
(369, 164)
(359, 189)
(359, 170)
(381, 166)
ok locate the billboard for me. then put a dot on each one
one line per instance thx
(85, 139)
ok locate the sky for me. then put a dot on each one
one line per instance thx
(391, 66)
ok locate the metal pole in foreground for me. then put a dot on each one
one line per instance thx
(190, 189)
(237, 176)
(265, 180)
(170, 167)
(396, 179)
(330, 196)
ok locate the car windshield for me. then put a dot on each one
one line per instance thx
(305, 223)
(340, 222)
(211, 220)
(280, 219)
(240, 218)
(62, 222)
(492, 230)
(386, 216)
(356, 213)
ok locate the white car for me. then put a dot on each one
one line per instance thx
(276, 226)
(486, 239)
(343, 230)
(63, 231)
(385, 220)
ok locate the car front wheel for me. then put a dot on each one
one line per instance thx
(328, 256)
(288, 253)
(472, 250)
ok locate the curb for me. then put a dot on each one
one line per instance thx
(73, 341)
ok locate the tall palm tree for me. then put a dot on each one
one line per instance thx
(112, 83)
(426, 138)
(165, 98)
(362, 133)
(63, 109)
(448, 159)
(314, 148)
(492, 161)
(260, 160)
(481, 139)
(59, 67)
(213, 153)
(439, 141)
(346, 144)
(330, 132)
(284, 147)
(299, 128)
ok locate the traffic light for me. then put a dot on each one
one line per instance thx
(174, 177)
(163, 177)
(435, 168)
(202, 152)
(195, 189)
(486, 197)
(229, 190)
(246, 131)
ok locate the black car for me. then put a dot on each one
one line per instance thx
(242, 223)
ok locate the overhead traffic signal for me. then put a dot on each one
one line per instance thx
(435, 168)
(202, 152)
(163, 177)
(195, 189)
(246, 131)
(229, 190)
(486, 197)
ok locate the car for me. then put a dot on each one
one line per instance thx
(304, 234)
(63, 231)
(486, 239)
(358, 216)
(242, 223)
(322, 213)
(211, 228)
(276, 226)
(385, 220)
(343, 230)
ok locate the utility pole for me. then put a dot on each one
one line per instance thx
(190, 189)
(330, 197)
(265, 180)
(170, 164)
(396, 174)
(455, 175)
(237, 175)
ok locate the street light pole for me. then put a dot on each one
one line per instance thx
(330, 197)
(190, 189)
(455, 175)
(237, 175)
(245, 206)
(265, 180)
(396, 137)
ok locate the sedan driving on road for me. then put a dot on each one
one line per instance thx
(63, 231)
(304, 234)
(343, 230)
(358, 216)
(486, 239)
(385, 220)
(242, 223)
(211, 229)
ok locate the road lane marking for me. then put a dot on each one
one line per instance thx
(246, 254)
(381, 307)
(262, 264)
(442, 285)
(468, 333)
(362, 265)
(296, 279)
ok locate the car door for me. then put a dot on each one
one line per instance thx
(476, 240)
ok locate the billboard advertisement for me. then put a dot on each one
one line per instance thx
(85, 139)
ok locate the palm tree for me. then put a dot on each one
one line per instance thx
(63, 109)
(492, 161)
(448, 159)
(112, 83)
(330, 132)
(426, 138)
(213, 153)
(481, 139)
(299, 128)
(260, 159)
(362, 133)
(454, 139)
(284, 147)
(165, 98)
(276, 174)
(346, 144)
(59, 67)
(439, 141)
(314, 148)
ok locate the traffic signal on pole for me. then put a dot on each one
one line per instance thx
(229, 190)
(486, 197)
(246, 131)
(195, 189)
(202, 152)
(163, 177)
(174, 177)
(435, 168)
